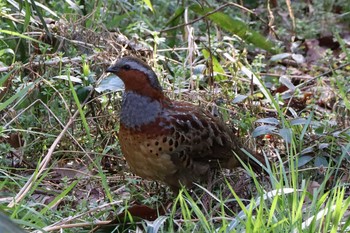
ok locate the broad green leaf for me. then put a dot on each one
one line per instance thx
(7, 225)
(199, 69)
(239, 98)
(116, 20)
(280, 56)
(287, 82)
(268, 120)
(304, 160)
(149, 4)
(323, 146)
(286, 134)
(82, 92)
(298, 121)
(236, 27)
(8, 50)
(174, 20)
(262, 130)
(307, 150)
(217, 68)
(321, 161)
(74, 6)
(175, 17)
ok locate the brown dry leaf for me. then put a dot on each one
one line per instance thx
(15, 140)
(325, 96)
(313, 185)
(316, 48)
(140, 211)
(71, 169)
(314, 51)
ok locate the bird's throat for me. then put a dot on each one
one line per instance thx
(138, 110)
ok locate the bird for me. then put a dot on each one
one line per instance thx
(174, 142)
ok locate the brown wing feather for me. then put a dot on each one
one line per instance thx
(208, 139)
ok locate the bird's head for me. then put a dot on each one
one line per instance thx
(137, 76)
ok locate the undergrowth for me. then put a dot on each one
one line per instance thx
(61, 168)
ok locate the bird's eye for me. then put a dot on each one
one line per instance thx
(126, 67)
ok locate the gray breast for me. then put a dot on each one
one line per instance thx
(138, 110)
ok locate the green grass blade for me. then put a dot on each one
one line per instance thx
(80, 109)
(21, 36)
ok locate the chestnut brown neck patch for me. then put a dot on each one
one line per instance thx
(138, 82)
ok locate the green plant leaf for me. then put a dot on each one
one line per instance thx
(304, 160)
(298, 121)
(262, 130)
(83, 92)
(65, 77)
(19, 94)
(20, 36)
(321, 161)
(268, 120)
(156, 224)
(217, 68)
(42, 20)
(7, 225)
(80, 109)
(239, 98)
(280, 57)
(59, 197)
(74, 6)
(286, 134)
(236, 27)
(149, 4)
(27, 16)
(307, 150)
(174, 19)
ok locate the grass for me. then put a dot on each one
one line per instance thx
(61, 167)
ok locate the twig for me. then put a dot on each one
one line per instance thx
(75, 225)
(21, 194)
(49, 110)
(63, 223)
(323, 74)
(214, 11)
(206, 15)
(51, 62)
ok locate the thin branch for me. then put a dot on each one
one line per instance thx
(213, 12)
(26, 188)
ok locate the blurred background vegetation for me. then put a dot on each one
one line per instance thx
(276, 71)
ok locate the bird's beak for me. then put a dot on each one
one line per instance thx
(112, 69)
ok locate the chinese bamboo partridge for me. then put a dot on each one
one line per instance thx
(170, 141)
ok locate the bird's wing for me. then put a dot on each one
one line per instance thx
(199, 136)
